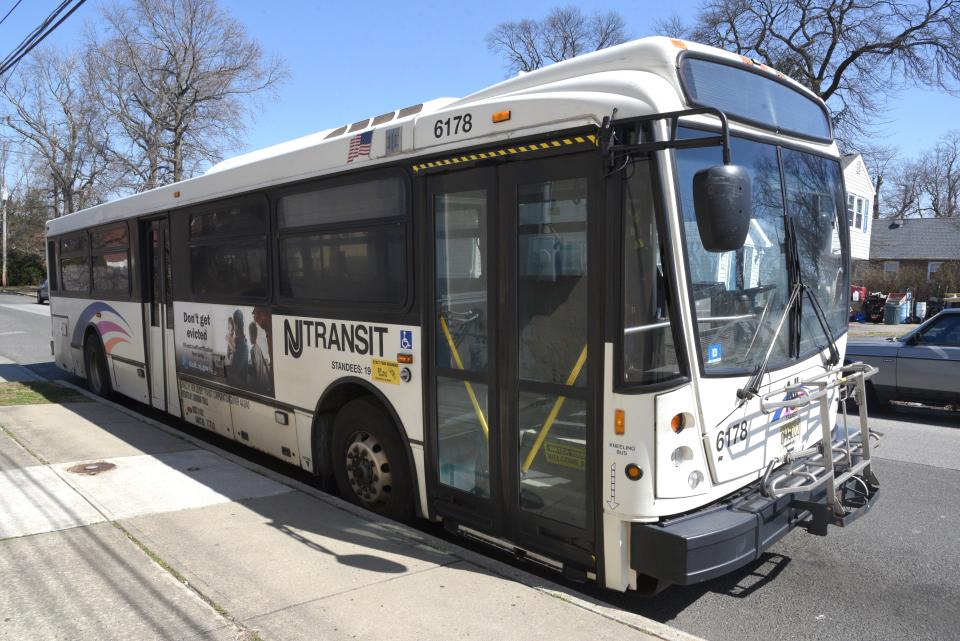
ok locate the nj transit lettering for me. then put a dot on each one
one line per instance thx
(342, 337)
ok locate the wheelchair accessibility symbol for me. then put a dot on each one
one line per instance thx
(406, 339)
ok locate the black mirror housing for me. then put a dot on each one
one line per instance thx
(722, 200)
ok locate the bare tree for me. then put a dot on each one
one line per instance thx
(880, 160)
(904, 194)
(852, 53)
(564, 33)
(928, 186)
(53, 113)
(180, 77)
(939, 177)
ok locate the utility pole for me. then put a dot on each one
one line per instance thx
(3, 209)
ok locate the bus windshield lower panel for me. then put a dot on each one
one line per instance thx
(740, 296)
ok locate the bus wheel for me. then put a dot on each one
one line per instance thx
(98, 377)
(369, 462)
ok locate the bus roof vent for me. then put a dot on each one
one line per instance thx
(337, 132)
(387, 117)
(409, 111)
(360, 124)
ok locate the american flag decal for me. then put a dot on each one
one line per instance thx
(360, 146)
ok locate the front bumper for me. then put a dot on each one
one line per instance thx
(723, 537)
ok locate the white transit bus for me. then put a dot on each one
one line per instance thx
(590, 314)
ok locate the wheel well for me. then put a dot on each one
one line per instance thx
(334, 398)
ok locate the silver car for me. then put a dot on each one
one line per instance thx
(922, 365)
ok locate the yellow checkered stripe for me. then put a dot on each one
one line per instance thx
(507, 151)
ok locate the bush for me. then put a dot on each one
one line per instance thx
(908, 277)
(24, 268)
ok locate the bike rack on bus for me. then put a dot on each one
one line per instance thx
(845, 475)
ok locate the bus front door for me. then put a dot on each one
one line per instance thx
(513, 382)
(158, 316)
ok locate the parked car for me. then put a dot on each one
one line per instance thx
(43, 292)
(923, 365)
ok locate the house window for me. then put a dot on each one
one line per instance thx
(856, 212)
(932, 268)
(890, 266)
(866, 214)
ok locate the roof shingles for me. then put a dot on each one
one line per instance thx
(916, 238)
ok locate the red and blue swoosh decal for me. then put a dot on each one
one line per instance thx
(784, 412)
(113, 327)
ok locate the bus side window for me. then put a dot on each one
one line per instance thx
(52, 271)
(345, 243)
(75, 263)
(228, 250)
(649, 353)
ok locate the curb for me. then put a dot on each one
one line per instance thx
(12, 292)
(639, 623)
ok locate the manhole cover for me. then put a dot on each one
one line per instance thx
(91, 469)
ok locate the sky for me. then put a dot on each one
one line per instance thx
(350, 60)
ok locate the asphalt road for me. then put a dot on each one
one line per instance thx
(895, 574)
(25, 334)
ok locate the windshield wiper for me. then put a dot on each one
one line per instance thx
(753, 385)
(791, 238)
(822, 318)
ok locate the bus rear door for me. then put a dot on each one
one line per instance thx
(158, 315)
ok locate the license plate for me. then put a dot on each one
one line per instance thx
(789, 432)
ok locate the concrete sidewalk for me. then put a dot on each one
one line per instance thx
(113, 526)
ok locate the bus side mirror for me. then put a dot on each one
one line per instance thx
(722, 202)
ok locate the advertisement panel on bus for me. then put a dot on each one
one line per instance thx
(228, 344)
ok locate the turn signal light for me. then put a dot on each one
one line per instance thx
(619, 422)
(677, 423)
(501, 116)
(406, 359)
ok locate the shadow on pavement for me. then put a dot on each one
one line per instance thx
(667, 605)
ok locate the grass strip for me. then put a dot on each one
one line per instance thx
(37, 393)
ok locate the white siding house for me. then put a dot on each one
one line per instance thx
(860, 195)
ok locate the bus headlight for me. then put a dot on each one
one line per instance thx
(695, 479)
(680, 455)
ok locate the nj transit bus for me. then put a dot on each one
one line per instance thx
(590, 315)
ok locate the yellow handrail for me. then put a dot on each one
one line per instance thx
(473, 397)
(554, 411)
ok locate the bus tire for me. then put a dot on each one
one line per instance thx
(369, 461)
(95, 365)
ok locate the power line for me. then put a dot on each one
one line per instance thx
(39, 34)
(12, 57)
(7, 15)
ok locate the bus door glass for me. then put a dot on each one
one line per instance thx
(159, 316)
(465, 414)
(512, 389)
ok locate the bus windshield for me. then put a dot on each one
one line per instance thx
(740, 296)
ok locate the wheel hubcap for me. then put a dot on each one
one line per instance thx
(368, 469)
